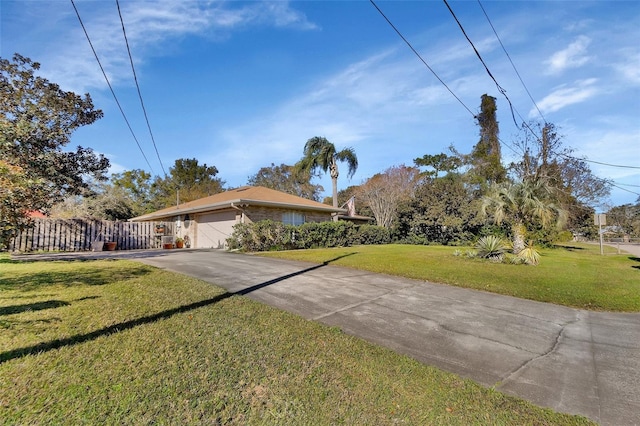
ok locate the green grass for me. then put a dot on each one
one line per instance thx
(572, 275)
(116, 342)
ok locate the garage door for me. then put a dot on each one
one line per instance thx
(214, 229)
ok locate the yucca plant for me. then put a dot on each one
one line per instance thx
(492, 247)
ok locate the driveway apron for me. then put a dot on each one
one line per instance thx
(570, 360)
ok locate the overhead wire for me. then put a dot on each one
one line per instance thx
(511, 61)
(502, 90)
(135, 77)
(420, 57)
(110, 87)
(504, 93)
(432, 70)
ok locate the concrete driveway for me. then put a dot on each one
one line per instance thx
(570, 360)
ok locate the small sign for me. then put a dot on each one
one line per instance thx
(600, 219)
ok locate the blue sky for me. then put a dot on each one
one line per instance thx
(241, 85)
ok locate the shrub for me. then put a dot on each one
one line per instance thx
(372, 234)
(492, 247)
(326, 234)
(269, 235)
(529, 255)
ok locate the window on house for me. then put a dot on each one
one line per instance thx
(292, 218)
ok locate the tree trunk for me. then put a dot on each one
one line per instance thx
(333, 169)
(518, 230)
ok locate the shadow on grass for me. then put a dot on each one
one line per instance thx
(37, 306)
(89, 276)
(570, 248)
(127, 325)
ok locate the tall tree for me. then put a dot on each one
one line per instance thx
(528, 202)
(485, 159)
(287, 179)
(439, 163)
(442, 210)
(37, 119)
(187, 181)
(136, 185)
(320, 154)
(384, 192)
(576, 189)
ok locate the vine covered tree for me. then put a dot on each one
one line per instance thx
(320, 154)
(37, 119)
(485, 159)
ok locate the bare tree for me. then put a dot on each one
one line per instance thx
(384, 191)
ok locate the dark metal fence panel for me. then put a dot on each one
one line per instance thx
(86, 234)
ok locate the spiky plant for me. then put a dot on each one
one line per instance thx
(492, 247)
(529, 254)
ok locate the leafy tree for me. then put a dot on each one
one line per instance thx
(187, 181)
(287, 179)
(439, 163)
(442, 210)
(576, 189)
(136, 186)
(520, 204)
(384, 192)
(485, 158)
(321, 154)
(627, 218)
(37, 119)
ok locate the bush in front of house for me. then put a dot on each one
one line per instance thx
(269, 235)
(373, 234)
(260, 236)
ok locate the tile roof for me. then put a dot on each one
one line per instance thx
(249, 195)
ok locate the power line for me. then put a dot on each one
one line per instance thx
(504, 93)
(135, 77)
(110, 87)
(500, 89)
(512, 64)
(624, 189)
(599, 162)
(432, 71)
(420, 57)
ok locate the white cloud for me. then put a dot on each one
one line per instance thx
(630, 67)
(565, 96)
(573, 56)
(152, 27)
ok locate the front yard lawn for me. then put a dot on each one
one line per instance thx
(117, 342)
(573, 275)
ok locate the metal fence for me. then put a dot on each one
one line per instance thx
(87, 234)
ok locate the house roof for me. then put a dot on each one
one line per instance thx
(240, 197)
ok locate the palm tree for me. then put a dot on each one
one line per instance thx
(321, 154)
(521, 203)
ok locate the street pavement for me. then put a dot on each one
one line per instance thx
(573, 361)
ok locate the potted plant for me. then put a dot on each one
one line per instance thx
(179, 242)
(110, 245)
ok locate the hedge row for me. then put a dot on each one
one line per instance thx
(269, 235)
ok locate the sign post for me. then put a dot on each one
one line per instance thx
(600, 219)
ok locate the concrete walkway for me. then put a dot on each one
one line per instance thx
(570, 360)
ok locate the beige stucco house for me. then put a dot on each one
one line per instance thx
(208, 222)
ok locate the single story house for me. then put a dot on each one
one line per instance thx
(208, 222)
